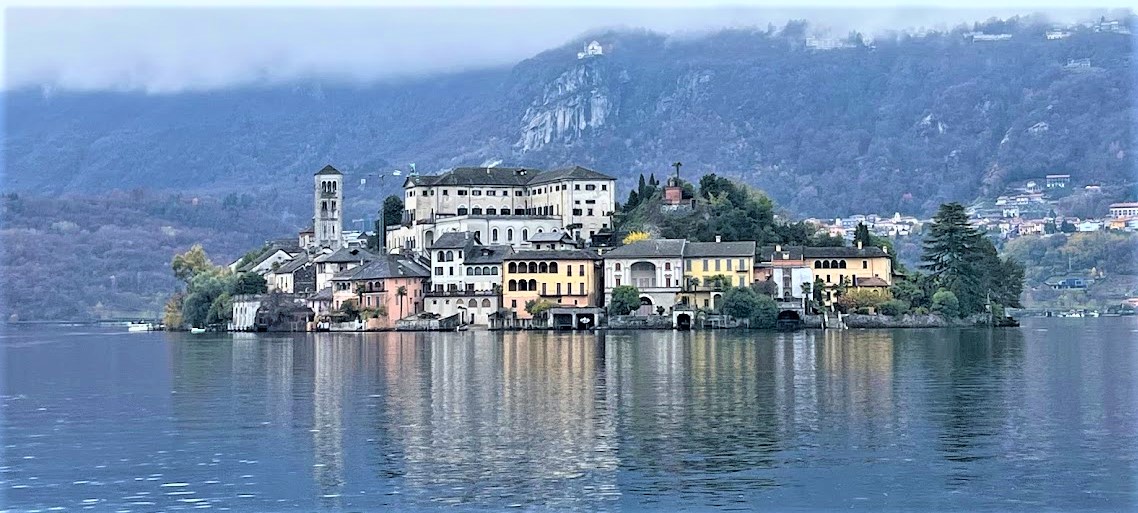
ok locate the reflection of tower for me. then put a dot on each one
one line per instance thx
(327, 216)
(327, 417)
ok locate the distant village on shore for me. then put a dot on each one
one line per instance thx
(515, 248)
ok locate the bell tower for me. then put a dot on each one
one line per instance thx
(327, 216)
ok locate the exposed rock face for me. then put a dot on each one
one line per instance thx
(576, 102)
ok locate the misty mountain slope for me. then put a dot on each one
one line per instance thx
(902, 125)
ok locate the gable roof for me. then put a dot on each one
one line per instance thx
(549, 237)
(844, 252)
(651, 248)
(871, 281)
(555, 254)
(383, 267)
(292, 265)
(568, 173)
(265, 255)
(488, 255)
(744, 248)
(454, 240)
(329, 170)
(504, 176)
(345, 255)
(768, 253)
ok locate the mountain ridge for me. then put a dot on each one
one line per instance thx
(899, 125)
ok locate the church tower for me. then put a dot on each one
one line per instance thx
(327, 217)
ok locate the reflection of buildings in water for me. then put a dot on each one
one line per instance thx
(527, 411)
(859, 376)
(335, 355)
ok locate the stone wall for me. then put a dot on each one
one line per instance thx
(640, 322)
(907, 321)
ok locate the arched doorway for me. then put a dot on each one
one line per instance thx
(683, 322)
(788, 320)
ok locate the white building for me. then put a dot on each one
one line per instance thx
(466, 278)
(592, 49)
(505, 202)
(653, 266)
(790, 281)
(1124, 210)
(1053, 35)
(245, 308)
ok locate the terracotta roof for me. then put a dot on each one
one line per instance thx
(871, 281)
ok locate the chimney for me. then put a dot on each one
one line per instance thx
(718, 239)
(859, 244)
(778, 248)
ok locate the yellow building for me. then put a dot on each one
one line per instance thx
(857, 267)
(710, 267)
(568, 278)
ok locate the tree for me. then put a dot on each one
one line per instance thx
(350, 310)
(765, 315)
(625, 299)
(946, 304)
(538, 308)
(861, 234)
(172, 312)
(766, 287)
(951, 251)
(746, 303)
(893, 307)
(660, 310)
(250, 283)
(392, 213)
(636, 237)
(191, 263)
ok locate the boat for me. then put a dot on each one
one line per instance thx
(462, 328)
(197, 330)
(138, 326)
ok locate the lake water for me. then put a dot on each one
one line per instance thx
(1044, 417)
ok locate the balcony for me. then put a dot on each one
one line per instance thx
(459, 293)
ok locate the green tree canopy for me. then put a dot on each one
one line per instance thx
(191, 263)
(625, 299)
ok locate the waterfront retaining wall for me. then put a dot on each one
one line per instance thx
(640, 322)
(907, 321)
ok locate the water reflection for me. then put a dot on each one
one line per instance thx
(869, 420)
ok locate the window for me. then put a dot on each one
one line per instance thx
(513, 268)
(494, 235)
(543, 268)
(687, 265)
(577, 187)
(533, 267)
(667, 266)
(616, 266)
(491, 211)
(558, 289)
(740, 281)
(491, 193)
(716, 264)
(865, 264)
(517, 193)
(510, 235)
(525, 234)
(494, 271)
(553, 267)
(442, 257)
(582, 270)
(462, 211)
(450, 256)
(742, 264)
(842, 264)
(446, 192)
(513, 303)
(618, 282)
(461, 192)
(576, 211)
(590, 187)
(667, 281)
(543, 284)
(438, 271)
(604, 187)
(475, 193)
(569, 270)
(827, 278)
(590, 212)
(705, 265)
(590, 202)
(476, 211)
(729, 265)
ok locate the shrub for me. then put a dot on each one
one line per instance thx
(893, 307)
(864, 311)
(946, 304)
(625, 299)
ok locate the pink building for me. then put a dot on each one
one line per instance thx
(386, 289)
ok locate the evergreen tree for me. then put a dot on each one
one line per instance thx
(861, 234)
(951, 251)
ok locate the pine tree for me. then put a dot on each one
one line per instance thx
(952, 251)
(861, 234)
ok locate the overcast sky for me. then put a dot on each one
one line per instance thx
(171, 49)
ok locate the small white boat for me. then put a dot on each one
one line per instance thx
(197, 330)
(139, 326)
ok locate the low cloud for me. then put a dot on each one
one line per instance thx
(174, 49)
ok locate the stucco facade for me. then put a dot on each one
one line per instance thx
(563, 277)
